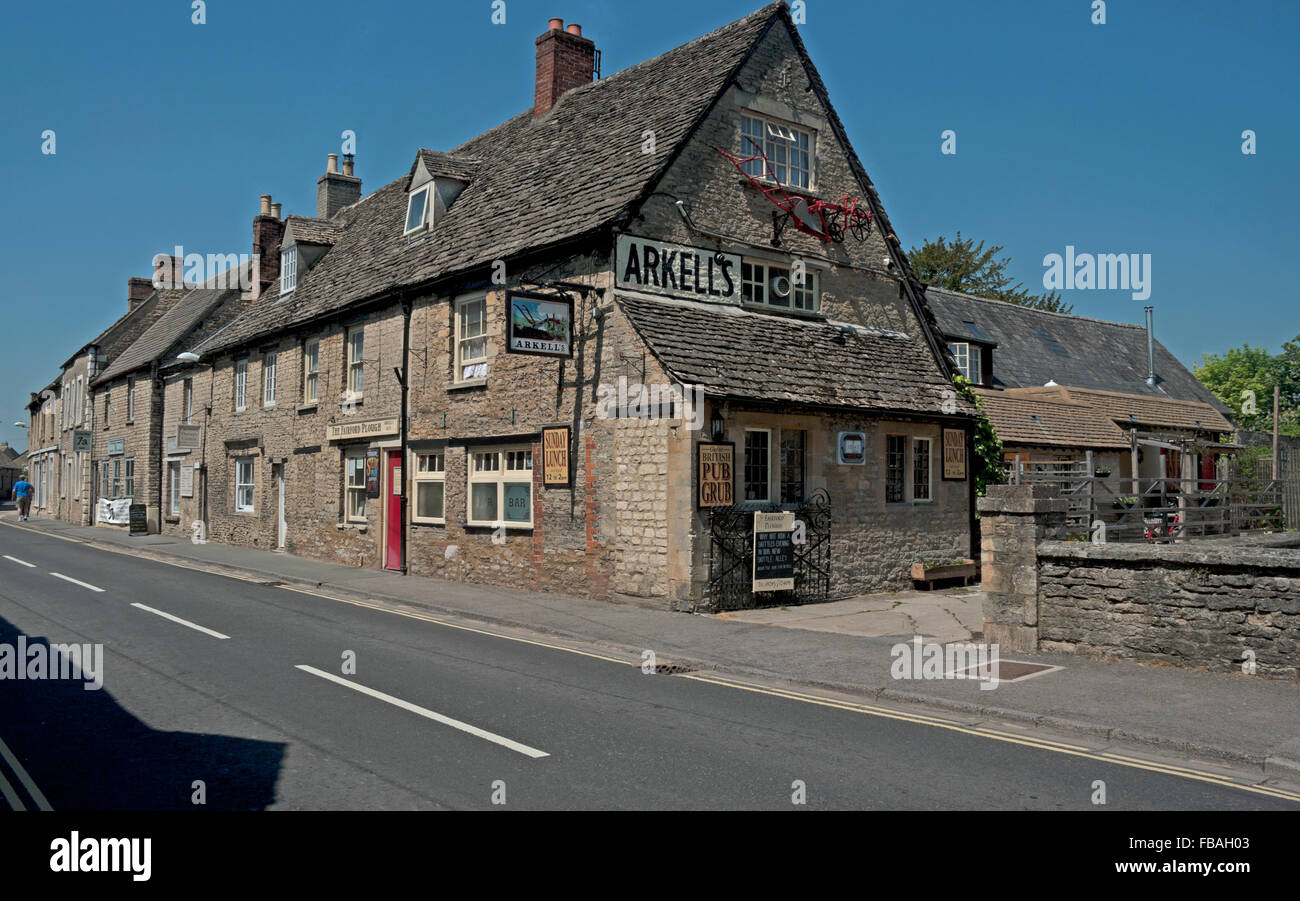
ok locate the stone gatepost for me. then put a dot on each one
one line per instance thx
(1013, 520)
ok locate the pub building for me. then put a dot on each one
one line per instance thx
(652, 340)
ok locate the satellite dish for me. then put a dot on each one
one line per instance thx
(799, 209)
(781, 286)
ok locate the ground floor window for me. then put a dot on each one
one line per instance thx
(794, 451)
(895, 468)
(758, 464)
(430, 476)
(105, 486)
(244, 484)
(117, 478)
(355, 487)
(174, 480)
(130, 477)
(921, 484)
(501, 487)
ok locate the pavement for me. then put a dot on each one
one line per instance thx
(846, 646)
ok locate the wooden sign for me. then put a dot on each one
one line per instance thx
(555, 457)
(773, 552)
(187, 480)
(539, 325)
(954, 455)
(716, 466)
(676, 269)
(370, 428)
(187, 437)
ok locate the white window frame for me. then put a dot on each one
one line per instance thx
(80, 410)
(744, 466)
(270, 370)
(929, 469)
(783, 137)
(429, 469)
(804, 298)
(968, 359)
(355, 361)
(187, 399)
(130, 400)
(427, 191)
(250, 485)
(241, 385)
(500, 476)
(288, 269)
(174, 494)
(311, 371)
(462, 361)
(354, 462)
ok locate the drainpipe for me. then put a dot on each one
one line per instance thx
(402, 423)
(1151, 349)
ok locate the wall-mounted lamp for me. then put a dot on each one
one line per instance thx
(718, 423)
(188, 357)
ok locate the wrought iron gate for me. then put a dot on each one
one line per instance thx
(731, 556)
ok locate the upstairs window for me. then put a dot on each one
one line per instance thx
(417, 209)
(288, 270)
(130, 400)
(187, 389)
(311, 371)
(356, 350)
(788, 150)
(774, 286)
(968, 360)
(270, 363)
(241, 385)
(471, 339)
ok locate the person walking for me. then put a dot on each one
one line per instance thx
(23, 494)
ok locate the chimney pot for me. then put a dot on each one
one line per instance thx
(575, 30)
(565, 60)
(348, 161)
(555, 24)
(333, 166)
(266, 204)
(275, 211)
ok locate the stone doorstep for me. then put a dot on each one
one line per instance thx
(1280, 762)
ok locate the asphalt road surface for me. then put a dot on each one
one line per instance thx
(240, 695)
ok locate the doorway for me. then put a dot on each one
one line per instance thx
(393, 513)
(282, 527)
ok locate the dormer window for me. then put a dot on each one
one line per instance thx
(968, 360)
(288, 270)
(417, 209)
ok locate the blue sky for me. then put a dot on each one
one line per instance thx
(1123, 137)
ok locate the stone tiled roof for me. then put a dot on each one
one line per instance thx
(1019, 419)
(1035, 347)
(170, 328)
(539, 182)
(448, 165)
(1136, 410)
(310, 230)
(737, 353)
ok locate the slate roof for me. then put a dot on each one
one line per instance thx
(447, 165)
(1034, 347)
(738, 353)
(310, 230)
(539, 182)
(192, 308)
(1130, 409)
(1058, 423)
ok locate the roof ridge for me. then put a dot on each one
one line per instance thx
(1020, 306)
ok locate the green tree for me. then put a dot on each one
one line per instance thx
(961, 265)
(1245, 376)
(988, 467)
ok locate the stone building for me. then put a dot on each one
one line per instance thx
(583, 350)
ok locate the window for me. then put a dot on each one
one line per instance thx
(187, 390)
(471, 339)
(174, 479)
(356, 486)
(117, 479)
(794, 447)
(430, 475)
(417, 209)
(288, 270)
(105, 485)
(269, 364)
(501, 487)
(130, 400)
(243, 484)
(311, 371)
(895, 475)
(788, 150)
(241, 385)
(356, 350)
(968, 360)
(757, 464)
(64, 421)
(108, 407)
(79, 409)
(921, 469)
(759, 285)
(130, 477)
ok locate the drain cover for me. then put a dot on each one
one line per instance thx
(672, 669)
(1012, 670)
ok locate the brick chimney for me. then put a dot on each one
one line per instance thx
(334, 189)
(138, 291)
(267, 232)
(168, 272)
(565, 60)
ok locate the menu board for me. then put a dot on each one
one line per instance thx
(773, 552)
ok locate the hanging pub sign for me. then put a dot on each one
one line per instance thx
(541, 325)
(717, 473)
(954, 455)
(654, 266)
(555, 457)
(372, 473)
(773, 552)
(853, 448)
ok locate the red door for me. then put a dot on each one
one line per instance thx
(393, 532)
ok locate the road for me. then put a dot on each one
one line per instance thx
(240, 695)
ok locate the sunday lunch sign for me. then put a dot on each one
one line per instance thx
(646, 265)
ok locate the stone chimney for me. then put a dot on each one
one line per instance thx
(138, 290)
(267, 232)
(334, 189)
(168, 272)
(565, 60)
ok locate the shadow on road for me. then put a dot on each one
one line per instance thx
(85, 751)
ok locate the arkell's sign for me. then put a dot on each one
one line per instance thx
(541, 325)
(646, 265)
